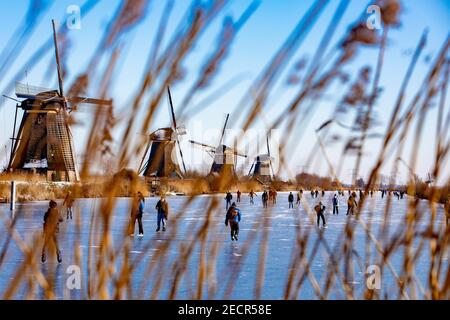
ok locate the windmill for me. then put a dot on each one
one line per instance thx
(262, 168)
(44, 142)
(225, 158)
(162, 161)
(429, 181)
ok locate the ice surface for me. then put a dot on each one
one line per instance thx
(233, 259)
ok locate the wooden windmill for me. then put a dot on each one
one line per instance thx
(225, 158)
(262, 168)
(430, 180)
(162, 160)
(44, 142)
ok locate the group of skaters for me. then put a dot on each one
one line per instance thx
(319, 208)
(137, 211)
(267, 196)
(53, 217)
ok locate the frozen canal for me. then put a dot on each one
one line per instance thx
(232, 259)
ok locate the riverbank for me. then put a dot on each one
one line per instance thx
(36, 188)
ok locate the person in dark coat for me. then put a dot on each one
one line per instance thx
(162, 207)
(228, 198)
(320, 209)
(252, 195)
(291, 200)
(335, 204)
(265, 199)
(233, 217)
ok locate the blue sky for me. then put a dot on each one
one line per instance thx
(255, 45)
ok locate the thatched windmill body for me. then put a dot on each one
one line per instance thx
(262, 168)
(162, 161)
(224, 157)
(44, 142)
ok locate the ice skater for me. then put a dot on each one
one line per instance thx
(335, 204)
(233, 217)
(52, 219)
(291, 200)
(252, 195)
(137, 211)
(275, 195)
(68, 202)
(238, 196)
(271, 196)
(228, 198)
(265, 199)
(299, 197)
(397, 195)
(320, 209)
(162, 208)
(351, 204)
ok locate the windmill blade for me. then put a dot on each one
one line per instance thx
(325, 124)
(27, 91)
(271, 168)
(174, 123)
(181, 154)
(85, 100)
(58, 65)
(224, 128)
(203, 145)
(143, 157)
(237, 153)
(174, 120)
(251, 168)
(257, 145)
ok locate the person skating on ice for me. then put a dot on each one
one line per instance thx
(232, 218)
(291, 200)
(52, 219)
(335, 204)
(320, 209)
(162, 208)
